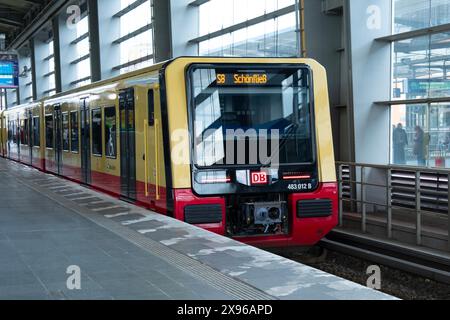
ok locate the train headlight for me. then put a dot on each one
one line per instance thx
(261, 214)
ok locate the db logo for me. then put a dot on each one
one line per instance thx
(259, 178)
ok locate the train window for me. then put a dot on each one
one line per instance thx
(15, 131)
(10, 131)
(49, 131)
(25, 132)
(74, 132)
(22, 132)
(97, 132)
(237, 108)
(36, 132)
(151, 107)
(110, 132)
(65, 131)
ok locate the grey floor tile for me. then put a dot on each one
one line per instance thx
(33, 291)
(17, 278)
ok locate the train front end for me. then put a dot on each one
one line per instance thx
(261, 162)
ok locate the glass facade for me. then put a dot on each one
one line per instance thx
(421, 70)
(419, 14)
(83, 49)
(138, 47)
(51, 69)
(275, 37)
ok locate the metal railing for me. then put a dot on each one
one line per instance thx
(421, 191)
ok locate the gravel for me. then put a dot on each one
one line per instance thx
(397, 283)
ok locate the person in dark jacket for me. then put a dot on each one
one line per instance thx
(419, 146)
(400, 141)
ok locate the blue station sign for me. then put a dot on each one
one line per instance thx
(9, 71)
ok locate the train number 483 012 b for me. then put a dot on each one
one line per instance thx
(300, 186)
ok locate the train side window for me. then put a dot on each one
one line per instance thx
(15, 131)
(36, 132)
(110, 132)
(151, 107)
(74, 134)
(25, 137)
(65, 131)
(10, 131)
(21, 132)
(49, 131)
(97, 132)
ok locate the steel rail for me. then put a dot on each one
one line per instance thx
(423, 263)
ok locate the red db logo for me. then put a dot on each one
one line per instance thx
(259, 178)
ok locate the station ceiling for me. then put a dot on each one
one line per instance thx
(15, 14)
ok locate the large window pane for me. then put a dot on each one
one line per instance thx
(440, 12)
(411, 68)
(411, 15)
(418, 14)
(440, 135)
(141, 45)
(218, 14)
(421, 67)
(272, 38)
(440, 65)
(420, 135)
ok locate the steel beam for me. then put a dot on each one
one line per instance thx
(42, 18)
(94, 39)
(57, 54)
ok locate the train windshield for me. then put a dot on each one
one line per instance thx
(251, 116)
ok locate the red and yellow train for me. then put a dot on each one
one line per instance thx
(191, 138)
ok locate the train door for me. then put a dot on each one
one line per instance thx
(152, 147)
(57, 116)
(85, 141)
(127, 144)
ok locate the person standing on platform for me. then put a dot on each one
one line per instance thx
(400, 139)
(419, 146)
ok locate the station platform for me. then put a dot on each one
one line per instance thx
(48, 224)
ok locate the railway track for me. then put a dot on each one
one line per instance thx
(432, 265)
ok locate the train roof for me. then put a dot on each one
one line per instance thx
(144, 71)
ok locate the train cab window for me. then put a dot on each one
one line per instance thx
(97, 132)
(74, 132)
(65, 131)
(151, 107)
(49, 131)
(272, 104)
(36, 132)
(110, 132)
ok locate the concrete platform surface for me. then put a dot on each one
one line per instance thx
(48, 224)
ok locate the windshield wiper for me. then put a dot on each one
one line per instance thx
(289, 133)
